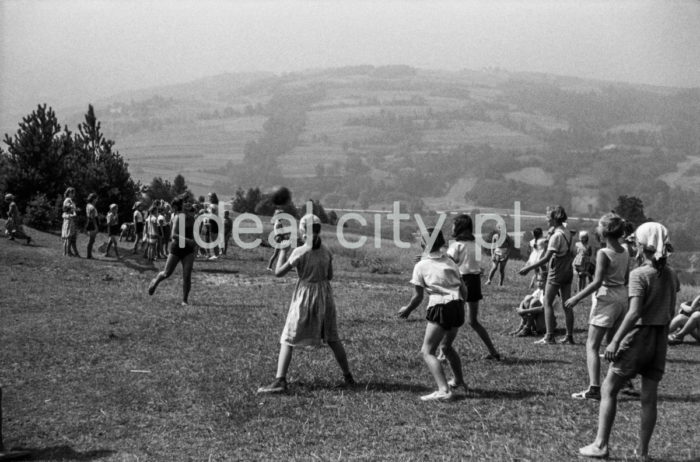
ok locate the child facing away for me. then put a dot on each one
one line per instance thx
(582, 261)
(531, 311)
(311, 319)
(640, 343)
(560, 273)
(439, 276)
(463, 252)
(499, 255)
(537, 245)
(13, 226)
(113, 229)
(609, 304)
(278, 225)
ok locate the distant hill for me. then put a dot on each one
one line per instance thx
(365, 136)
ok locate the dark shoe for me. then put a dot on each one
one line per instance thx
(568, 340)
(349, 380)
(674, 339)
(591, 393)
(527, 332)
(278, 386)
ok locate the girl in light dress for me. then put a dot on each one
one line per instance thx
(311, 319)
(69, 233)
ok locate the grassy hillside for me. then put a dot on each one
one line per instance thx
(94, 369)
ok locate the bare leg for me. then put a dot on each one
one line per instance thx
(473, 321)
(608, 408)
(595, 338)
(565, 293)
(283, 360)
(433, 336)
(550, 293)
(690, 326)
(340, 356)
(492, 273)
(187, 265)
(649, 399)
(502, 270)
(452, 355)
(170, 265)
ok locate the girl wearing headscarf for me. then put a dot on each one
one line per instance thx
(311, 319)
(639, 345)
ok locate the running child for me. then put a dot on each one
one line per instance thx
(439, 276)
(609, 304)
(560, 273)
(311, 319)
(463, 252)
(639, 345)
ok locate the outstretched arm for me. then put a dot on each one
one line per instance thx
(413, 304)
(601, 265)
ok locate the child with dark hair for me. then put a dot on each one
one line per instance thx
(640, 344)
(228, 231)
(463, 252)
(560, 273)
(609, 305)
(311, 319)
(439, 276)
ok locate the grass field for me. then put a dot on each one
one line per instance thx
(93, 369)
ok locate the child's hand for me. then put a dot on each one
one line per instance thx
(570, 303)
(611, 351)
(404, 312)
(523, 271)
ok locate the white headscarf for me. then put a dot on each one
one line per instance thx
(653, 237)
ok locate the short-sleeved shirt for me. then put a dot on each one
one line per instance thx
(312, 265)
(440, 278)
(657, 292)
(463, 253)
(558, 242)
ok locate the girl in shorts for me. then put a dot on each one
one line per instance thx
(463, 252)
(639, 345)
(560, 273)
(182, 249)
(439, 276)
(609, 304)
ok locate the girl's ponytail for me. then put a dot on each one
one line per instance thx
(658, 264)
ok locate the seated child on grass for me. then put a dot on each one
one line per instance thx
(531, 311)
(687, 321)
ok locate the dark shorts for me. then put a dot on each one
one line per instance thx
(139, 229)
(181, 252)
(447, 316)
(473, 283)
(642, 351)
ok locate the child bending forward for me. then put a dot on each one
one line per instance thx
(438, 275)
(311, 318)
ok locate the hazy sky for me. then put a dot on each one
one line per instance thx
(73, 51)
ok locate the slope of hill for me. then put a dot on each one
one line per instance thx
(365, 135)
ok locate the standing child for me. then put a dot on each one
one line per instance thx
(609, 304)
(560, 273)
(463, 252)
(228, 230)
(312, 317)
(499, 255)
(138, 225)
(69, 232)
(113, 229)
(438, 275)
(13, 226)
(152, 233)
(582, 260)
(537, 246)
(279, 237)
(91, 223)
(639, 345)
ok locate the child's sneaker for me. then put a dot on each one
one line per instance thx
(591, 393)
(438, 396)
(568, 340)
(674, 339)
(278, 386)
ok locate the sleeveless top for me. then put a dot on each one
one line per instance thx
(617, 269)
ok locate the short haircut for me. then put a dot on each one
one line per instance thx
(439, 240)
(463, 225)
(557, 213)
(612, 225)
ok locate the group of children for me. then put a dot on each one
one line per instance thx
(632, 309)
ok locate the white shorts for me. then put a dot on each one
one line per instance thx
(609, 306)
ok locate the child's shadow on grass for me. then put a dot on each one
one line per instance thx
(64, 453)
(528, 361)
(683, 361)
(694, 398)
(502, 394)
(365, 386)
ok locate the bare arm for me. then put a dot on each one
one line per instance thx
(413, 304)
(542, 261)
(283, 266)
(601, 265)
(628, 322)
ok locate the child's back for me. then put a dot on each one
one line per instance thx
(658, 292)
